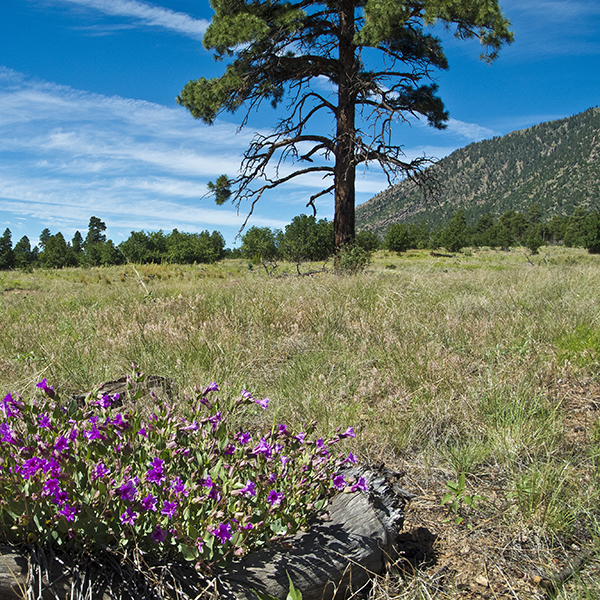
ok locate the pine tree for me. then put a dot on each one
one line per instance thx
(378, 56)
(7, 256)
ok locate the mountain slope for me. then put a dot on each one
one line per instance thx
(554, 164)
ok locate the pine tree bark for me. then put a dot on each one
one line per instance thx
(345, 167)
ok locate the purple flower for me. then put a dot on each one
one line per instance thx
(262, 403)
(229, 450)
(361, 484)
(60, 497)
(67, 511)
(282, 429)
(10, 407)
(52, 466)
(249, 489)
(169, 509)
(208, 482)
(128, 491)
(246, 395)
(348, 433)
(214, 494)
(149, 502)
(262, 448)
(223, 532)
(215, 419)
(285, 460)
(51, 487)
(351, 459)
(301, 437)
(272, 477)
(93, 434)
(48, 390)
(31, 466)
(7, 434)
(178, 487)
(119, 422)
(213, 387)
(100, 471)
(243, 438)
(129, 517)
(193, 427)
(106, 401)
(274, 498)
(61, 445)
(339, 482)
(155, 474)
(159, 535)
(142, 432)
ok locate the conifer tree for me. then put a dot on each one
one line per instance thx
(377, 56)
(7, 256)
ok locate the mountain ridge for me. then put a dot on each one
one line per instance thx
(555, 164)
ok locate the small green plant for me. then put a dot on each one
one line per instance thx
(293, 593)
(353, 259)
(457, 497)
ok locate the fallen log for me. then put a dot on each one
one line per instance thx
(337, 555)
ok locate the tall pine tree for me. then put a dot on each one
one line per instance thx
(377, 55)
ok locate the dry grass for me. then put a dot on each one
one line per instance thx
(482, 363)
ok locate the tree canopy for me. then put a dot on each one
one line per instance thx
(365, 64)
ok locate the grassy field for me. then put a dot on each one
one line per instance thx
(486, 364)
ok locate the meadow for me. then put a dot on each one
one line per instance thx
(485, 364)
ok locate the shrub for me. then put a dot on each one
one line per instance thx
(353, 259)
(96, 477)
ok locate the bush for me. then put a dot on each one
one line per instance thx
(353, 259)
(368, 240)
(191, 486)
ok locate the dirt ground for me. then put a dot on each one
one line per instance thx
(483, 557)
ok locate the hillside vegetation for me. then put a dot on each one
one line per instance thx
(484, 364)
(555, 165)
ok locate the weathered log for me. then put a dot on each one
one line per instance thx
(336, 555)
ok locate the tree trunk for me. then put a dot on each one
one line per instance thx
(345, 167)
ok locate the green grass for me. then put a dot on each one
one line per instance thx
(442, 365)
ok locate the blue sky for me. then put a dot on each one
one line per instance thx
(89, 124)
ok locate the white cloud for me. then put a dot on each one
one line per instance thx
(470, 131)
(149, 15)
(66, 154)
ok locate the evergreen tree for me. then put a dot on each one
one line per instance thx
(77, 243)
(260, 243)
(397, 238)
(56, 253)
(95, 234)
(24, 257)
(44, 237)
(368, 240)
(7, 256)
(454, 235)
(591, 233)
(377, 54)
(305, 238)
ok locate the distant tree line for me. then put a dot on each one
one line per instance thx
(304, 239)
(580, 229)
(54, 251)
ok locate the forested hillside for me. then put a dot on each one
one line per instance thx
(555, 165)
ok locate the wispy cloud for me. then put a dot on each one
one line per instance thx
(147, 15)
(469, 131)
(66, 154)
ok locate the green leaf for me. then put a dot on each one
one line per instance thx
(293, 593)
(447, 497)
